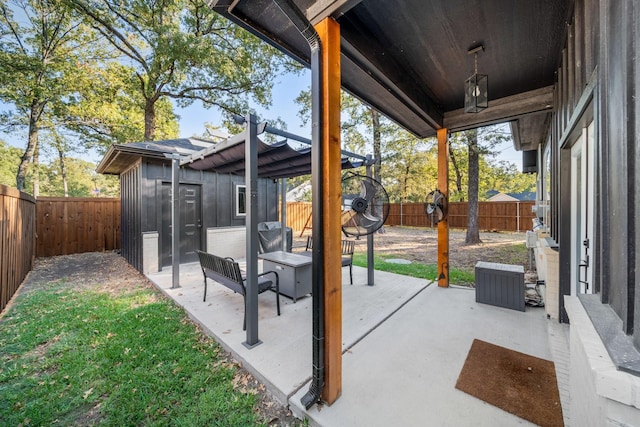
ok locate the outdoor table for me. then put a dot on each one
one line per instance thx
(294, 272)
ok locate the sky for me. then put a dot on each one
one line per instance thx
(287, 88)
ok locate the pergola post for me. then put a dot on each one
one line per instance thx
(175, 221)
(370, 257)
(443, 226)
(329, 33)
(251, 182)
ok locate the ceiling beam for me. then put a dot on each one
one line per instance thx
(329, 8)
(501, 110)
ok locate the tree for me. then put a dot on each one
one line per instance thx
(82, 180)
(38, 51)
(9, 160)
(411, 167)
(410, 163)
(107, 109)
(183, 50)
(473, 232)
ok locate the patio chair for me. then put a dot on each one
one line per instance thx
(347, 249)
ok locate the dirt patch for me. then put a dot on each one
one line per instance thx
(421, 245)
(110, 273)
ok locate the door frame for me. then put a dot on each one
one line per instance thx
(582, 209)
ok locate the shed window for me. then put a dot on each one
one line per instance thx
(241, 200)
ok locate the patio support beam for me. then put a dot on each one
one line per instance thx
(329, 33)
(370, 258)
(283, 214)
(251, 223)
(175, 221)
(443, 226)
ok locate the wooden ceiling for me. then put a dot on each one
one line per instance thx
(409, 58)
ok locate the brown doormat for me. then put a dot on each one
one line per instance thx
(518, 383)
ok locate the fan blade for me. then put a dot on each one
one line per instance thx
(369, 221)
(439, 214)
(368, 190)
(430, 208)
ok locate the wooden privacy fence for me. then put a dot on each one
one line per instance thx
(75, 225)
(17, 240)
(499, 216)
(298, 215)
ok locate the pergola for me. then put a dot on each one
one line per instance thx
(246, 155)
(408, 59)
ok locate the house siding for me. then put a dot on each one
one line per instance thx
(598, 79)
(142, 203)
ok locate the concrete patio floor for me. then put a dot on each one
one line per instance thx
(404, 341)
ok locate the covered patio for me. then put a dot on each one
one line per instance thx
(405, 341)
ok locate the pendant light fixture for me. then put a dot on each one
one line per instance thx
(476, 92)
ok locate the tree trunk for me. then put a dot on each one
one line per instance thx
(32, 144)
(149, 120)
(473, 232)
(456, 170)
(36, 172)
(63, 172)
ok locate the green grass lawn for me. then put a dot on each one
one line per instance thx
(80, 357)
(415, 269)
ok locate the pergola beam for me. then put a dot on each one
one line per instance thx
(329, 8)
(501, 110)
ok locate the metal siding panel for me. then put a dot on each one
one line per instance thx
(209, 196)
(618, 139)
(636, 123)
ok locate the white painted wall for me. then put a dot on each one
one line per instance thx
(600, 394)
(227, 242)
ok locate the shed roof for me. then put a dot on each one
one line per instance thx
(120, 157)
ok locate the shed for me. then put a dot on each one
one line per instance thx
(212, 203)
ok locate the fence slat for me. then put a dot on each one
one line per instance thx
(17, 240)
(498, 216)
(75, 225)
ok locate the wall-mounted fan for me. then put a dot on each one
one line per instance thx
(436, 206)
(365, 205)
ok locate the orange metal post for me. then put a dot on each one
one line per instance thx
(443, 226)
(329, 32)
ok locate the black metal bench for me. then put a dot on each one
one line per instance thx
(227, 272)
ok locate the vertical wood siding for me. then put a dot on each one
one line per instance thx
(17, 240)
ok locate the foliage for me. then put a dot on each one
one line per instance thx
(80, 357)
(41, 43)
(59, 81)
(410, 165)
(9, 160)
(183, 50)
(109, 109)
(494, 175)
(82, 178)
